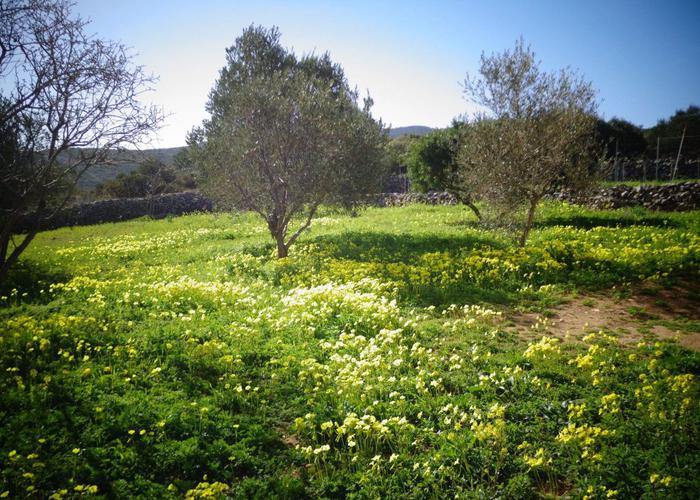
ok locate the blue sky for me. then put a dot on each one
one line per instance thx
(643, 57)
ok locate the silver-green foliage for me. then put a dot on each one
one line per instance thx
(537, 132)
(285, 135)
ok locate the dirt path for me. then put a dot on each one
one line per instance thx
(648, 313)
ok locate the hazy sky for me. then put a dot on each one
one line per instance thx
(643, 57)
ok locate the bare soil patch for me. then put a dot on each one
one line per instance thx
(662, 313)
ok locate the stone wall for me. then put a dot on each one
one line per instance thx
(122, 209)
(672, 197)
(628, 169)
(400, 199)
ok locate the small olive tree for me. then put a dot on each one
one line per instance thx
(536, 135)
(285, 136)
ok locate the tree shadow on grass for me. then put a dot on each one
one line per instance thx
(458, 293)
(604, 220)
(578, 221)
(386, 249)
(372, 246)
(28, 278)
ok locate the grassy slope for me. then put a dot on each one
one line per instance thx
(152, 358)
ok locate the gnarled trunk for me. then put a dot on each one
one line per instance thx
(282, 249)
(9, 256)
(471, 205)
(528, 222)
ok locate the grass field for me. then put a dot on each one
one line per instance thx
(178, 358)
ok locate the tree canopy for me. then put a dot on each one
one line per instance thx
(622, 138)
(286, 135)
(69, 98)
(432, 164)
(430, 160)
(671, 129)
(536, 135)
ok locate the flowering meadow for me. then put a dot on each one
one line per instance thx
(179, 359)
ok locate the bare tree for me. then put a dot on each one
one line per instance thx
(285, 136)
(70, 98)
(536, 135)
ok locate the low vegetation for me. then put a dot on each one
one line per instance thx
(181, 358)
(151, 178)
(323, 355)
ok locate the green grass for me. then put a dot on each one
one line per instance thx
(173, 358)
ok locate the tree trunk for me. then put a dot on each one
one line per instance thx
(7, 261)
(282, 249)
(528, 222)
(467, 200)
(4, 268)
(474, 209)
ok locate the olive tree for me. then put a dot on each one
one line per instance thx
(285, 136)
(535, 135)
(68, 99)
(432, 165)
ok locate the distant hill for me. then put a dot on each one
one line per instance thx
(411, 130)
(123, 162)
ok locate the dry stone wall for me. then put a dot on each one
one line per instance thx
(644, 169)
(400, 199)
(121, 209)
(672, 197)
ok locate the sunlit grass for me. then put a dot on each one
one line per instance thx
(179, 357)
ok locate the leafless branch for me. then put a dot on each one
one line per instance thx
(74, 99)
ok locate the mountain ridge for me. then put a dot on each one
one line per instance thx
(126, 161)
(409, 130)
